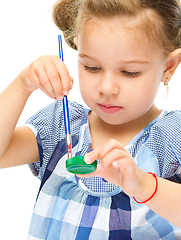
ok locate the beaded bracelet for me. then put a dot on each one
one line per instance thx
(156, 188)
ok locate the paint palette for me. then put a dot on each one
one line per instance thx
(77, 165)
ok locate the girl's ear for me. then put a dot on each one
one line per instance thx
(174, 58)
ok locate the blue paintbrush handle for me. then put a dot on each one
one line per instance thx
(60, 47)
(65, 100)
(66, 115)
(65, 108)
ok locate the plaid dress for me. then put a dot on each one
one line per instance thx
(72, 208)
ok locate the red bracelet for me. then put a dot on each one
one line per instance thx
(156, 188)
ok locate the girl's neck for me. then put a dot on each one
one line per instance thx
(101, 132)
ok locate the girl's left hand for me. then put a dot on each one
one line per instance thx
(118, 167)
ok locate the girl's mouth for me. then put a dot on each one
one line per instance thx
(109, 108)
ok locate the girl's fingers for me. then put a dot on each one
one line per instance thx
(92, 156)
(54, 80)
(66, 80)
(100, 153)
(116, 155)
(52, 76)
(43, 81)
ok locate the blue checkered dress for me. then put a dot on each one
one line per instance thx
(71, 208)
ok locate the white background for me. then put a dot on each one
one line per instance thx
(27, 32)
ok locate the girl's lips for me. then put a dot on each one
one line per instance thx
(108, 108)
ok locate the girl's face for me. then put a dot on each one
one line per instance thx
(119, 71)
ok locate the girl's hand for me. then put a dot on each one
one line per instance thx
(49, 74)
(118, 167)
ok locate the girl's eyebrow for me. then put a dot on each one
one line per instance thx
(137, 61)
(82, 55)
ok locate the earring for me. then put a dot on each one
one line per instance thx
(166, 83)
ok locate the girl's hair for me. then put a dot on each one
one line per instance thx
(161, 18)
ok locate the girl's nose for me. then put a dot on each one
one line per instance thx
(108, 84)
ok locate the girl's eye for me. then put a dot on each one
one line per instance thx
(92, 69)
(131, 74)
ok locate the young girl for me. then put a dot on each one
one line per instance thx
(125, 50)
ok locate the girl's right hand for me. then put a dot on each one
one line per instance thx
(49, 74)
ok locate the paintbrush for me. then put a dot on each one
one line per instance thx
(65, 108)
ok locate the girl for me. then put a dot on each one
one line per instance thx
(125, 50)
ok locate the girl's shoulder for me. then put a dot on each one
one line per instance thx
(54, 113)
(162, 127)
(166, 131)
(168, 121)
(166, 116)
(167, 127)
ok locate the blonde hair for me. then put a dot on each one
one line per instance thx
(163, 24)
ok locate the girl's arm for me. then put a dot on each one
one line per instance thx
(18, 145)
(118, 167)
